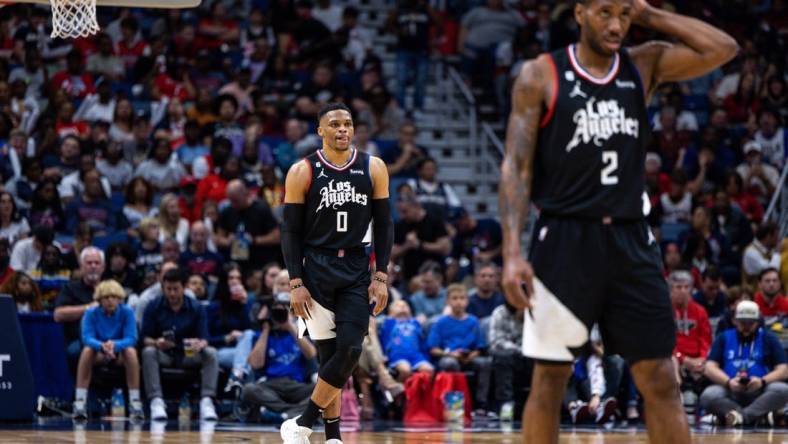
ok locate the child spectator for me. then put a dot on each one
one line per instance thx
(403, 343)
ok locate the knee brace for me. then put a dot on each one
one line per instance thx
(339, 367)
(325, 350)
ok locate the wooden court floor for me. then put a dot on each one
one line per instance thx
(123, 435)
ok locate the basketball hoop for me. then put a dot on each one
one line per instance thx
(77, 18)
(73, 18)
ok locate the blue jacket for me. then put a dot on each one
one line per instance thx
(757, 357)
(98, 328)
(189, 322)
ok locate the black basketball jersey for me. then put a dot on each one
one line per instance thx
(339, 202)
(592, 142)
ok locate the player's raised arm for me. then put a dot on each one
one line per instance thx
(528, 96)
(296, 187)
(700, 48)
(383, 233)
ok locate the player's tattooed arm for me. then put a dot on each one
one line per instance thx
(514, 191)
(700, 47)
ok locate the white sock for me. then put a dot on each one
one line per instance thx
(206, 399)
(238, 373)
(81, 394)
(134, 395)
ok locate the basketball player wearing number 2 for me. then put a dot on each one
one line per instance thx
(576, 144)
(331, 197)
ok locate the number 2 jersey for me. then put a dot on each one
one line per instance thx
(338, 203)
(590, 154)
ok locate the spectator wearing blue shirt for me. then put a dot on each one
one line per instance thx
(197, 258)
(478, 241)
(191, 149)
(430, 301)
(109, 334)
(280, 358)
(457, 341)
(403, 343)
(485, 297)
(748, 368)
(230, 325)
(175, 329)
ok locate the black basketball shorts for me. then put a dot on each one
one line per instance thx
(589, 272)
(339, 286)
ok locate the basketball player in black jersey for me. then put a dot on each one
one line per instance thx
(575, 144)
(336, 201)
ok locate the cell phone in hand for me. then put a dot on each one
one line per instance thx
(744, 380)
(169, 335)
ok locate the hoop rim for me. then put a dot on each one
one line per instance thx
(161, 4)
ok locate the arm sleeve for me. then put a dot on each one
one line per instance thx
(716, 354)
(202, 326)
(383, 232)
(129, 331)
(148, 321)
(596, 375)
(292, 239)
(704, 333)
(89, 331)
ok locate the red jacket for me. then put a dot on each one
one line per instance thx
(693, 331)
(778, 307)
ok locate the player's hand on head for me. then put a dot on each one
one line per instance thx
(516, 273)
(639, 12)
(301, 302)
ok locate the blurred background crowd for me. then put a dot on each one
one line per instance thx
(164, 140)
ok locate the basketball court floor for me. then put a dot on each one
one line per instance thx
(122, 432)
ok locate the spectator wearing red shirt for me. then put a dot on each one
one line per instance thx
(734, 186)
(67, 126)
(693, 335)
(773, 304)
(214, 186)
(74, 80)
(217, 28)
(131, 46)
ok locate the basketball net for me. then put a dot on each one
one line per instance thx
(73, 18)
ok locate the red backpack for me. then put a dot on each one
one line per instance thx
(418, 400)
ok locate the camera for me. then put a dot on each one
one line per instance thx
(280, 309)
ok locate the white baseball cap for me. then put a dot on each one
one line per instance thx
(752, 146)
(747, 311)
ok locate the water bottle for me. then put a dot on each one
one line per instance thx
(454, 406)
(118, 404)
(185, 409)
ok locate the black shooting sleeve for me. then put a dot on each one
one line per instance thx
(293, 239)
(383, 232)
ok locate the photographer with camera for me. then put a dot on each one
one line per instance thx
(748, 367)
(279, 357)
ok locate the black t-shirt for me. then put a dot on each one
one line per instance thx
(73, 293)
(429, 229)
(413, 26)
(255, 220)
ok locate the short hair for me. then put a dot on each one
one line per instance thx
(679, 276)
(456, 288)
(711, 272)
(768, 270)
(44, 234)
(481, 266)
(333, 106)
(91, 250)
(174, 275)
(350, 12)
(678, 176)
(431, 267)
(109, 288)
(765, 230)
(225, 98)
(425, 161)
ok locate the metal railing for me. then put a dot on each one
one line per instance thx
(778, 206)
(461, 106)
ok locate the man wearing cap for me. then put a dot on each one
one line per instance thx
(693, 335)
(109, 334)
(748, 367)
(760, 178)
(279, 357)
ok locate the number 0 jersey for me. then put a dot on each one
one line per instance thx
(591, 147)
(339, 202)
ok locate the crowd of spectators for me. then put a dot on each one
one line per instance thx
(152, 155)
